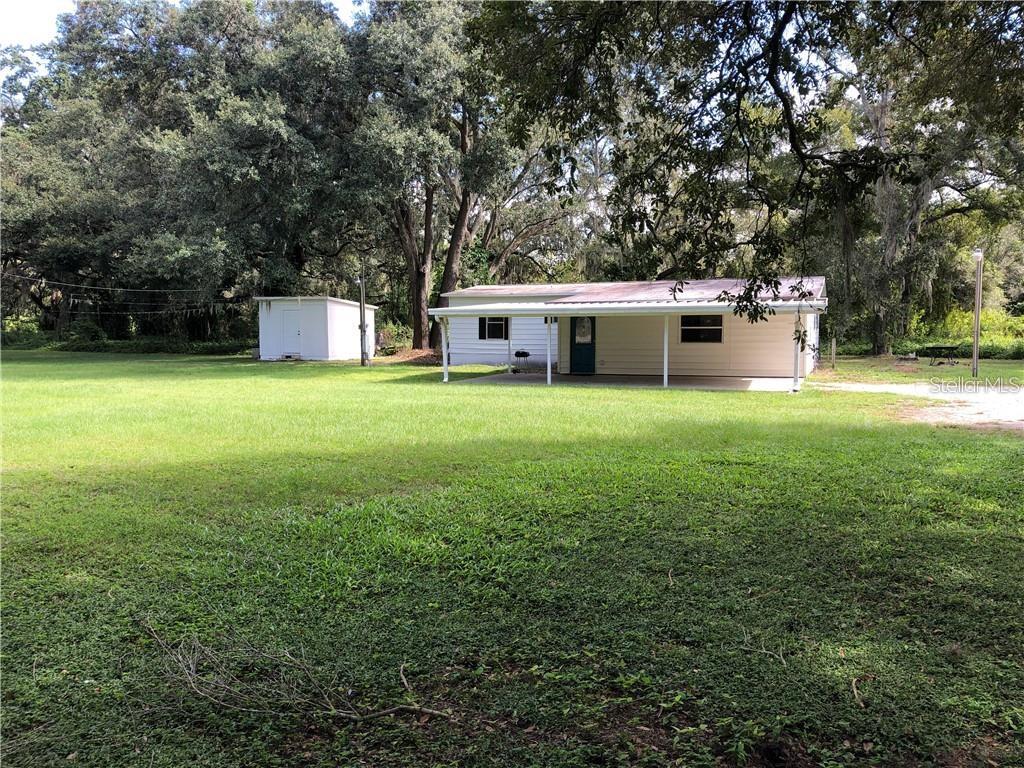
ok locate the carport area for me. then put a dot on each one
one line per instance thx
(638, 333)
(706, 383)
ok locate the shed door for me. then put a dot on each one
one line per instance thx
(291, 328)
(582, 347)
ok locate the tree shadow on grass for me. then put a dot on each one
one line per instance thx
(34, 365)
(737, 580)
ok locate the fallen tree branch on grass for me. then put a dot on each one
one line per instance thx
(753, 649)
(246, 678)
(856, 692)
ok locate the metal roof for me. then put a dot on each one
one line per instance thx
(653, 291)
(569, 309)
(527, 289)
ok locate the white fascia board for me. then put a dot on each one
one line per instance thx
(308, 299)
(564, 309)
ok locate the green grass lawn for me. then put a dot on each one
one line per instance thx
(887, 369)
(579, 576)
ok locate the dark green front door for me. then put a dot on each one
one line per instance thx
(582, 345)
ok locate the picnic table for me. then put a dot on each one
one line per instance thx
(940, 350)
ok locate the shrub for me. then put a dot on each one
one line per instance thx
(157, 345)
(991, 347)
(24, 333)
(86, 336)
(959, 324)
(392, 337)
(996, 349)
(854, 348)
(85, 330)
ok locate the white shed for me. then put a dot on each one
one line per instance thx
(312, 328)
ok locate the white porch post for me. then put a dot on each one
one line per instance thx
(444, 347)
(508, 332)
(664, 355)
(549, 324)
(796, 354)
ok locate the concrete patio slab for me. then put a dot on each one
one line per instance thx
(709, 383)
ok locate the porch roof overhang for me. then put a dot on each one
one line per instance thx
(600, 309)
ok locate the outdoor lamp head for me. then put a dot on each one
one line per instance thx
(978, 255)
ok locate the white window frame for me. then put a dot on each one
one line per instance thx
(502, 325)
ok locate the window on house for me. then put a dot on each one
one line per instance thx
(700, 329)
(493, 328)
(584, 331)
(550, 320)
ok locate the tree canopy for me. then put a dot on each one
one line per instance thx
(162, 164)
(746, 132)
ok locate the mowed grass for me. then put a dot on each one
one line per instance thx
(580, 576)
(888, 369)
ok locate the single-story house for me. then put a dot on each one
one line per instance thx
(655, 328)
(312, 328)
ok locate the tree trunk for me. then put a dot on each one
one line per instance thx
(453, 258)
(422, 327)
(880, 340)
(419, 263)
(460, 229)
(420, 302)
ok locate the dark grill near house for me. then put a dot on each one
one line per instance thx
(522, 358)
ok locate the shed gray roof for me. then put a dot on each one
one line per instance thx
(654, 291)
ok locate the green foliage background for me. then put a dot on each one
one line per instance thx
(203, 153)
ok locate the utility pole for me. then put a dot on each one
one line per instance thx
(979, 258)
(364, 358)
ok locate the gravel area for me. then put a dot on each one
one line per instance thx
(963, 405)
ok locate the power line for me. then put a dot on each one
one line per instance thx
(78, 298)
(168, 311)
(101, 287)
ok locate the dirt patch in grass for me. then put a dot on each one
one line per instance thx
(986, 408)
(961, 414)
(781, 753)
(410, 357)
(985, 752)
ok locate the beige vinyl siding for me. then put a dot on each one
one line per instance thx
(630, 344)
(633, 345)
(529, 333)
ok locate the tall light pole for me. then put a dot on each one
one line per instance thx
(979, 257)
(364, 358)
